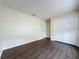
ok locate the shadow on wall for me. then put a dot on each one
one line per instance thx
(78, 31)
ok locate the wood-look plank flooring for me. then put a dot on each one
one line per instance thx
(42, 49)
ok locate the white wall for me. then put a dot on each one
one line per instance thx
(49, 28)
(0, 28)
(66, 28)
(20, 28)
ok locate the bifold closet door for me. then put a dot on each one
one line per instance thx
(66, 29)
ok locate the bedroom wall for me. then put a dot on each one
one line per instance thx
(65, 28)
(20, 28)
(49, 28)
(0, 28)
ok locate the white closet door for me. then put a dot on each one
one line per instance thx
(66, 29)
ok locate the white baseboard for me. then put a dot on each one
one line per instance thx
(0, 53)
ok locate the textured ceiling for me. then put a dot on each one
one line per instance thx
(42, 8)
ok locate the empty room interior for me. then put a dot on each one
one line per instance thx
(39, 29)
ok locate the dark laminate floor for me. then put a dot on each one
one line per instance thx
(42, 49)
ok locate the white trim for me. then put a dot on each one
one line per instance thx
(1, 53)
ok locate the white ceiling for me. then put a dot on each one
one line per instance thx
(42, 8)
